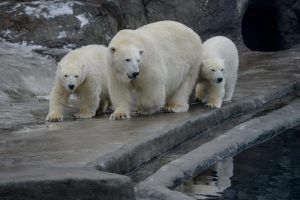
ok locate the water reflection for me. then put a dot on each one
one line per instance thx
(210, 183)
(267, 171)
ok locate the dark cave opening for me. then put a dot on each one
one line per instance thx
(260, 28)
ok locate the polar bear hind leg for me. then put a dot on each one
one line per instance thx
(229, 88)
(103, 106)
(179, 101)
(201, 92)
(89, 104)
(152, 100)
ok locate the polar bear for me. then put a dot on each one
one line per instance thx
(159, 63)
(218, 71)
(83, 72)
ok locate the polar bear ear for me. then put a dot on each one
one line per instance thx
(112, 50)
(141, 51)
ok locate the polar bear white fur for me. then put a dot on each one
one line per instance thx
(159, 62)
(218, 71)
(83, 72)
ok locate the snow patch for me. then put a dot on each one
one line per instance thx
(30, 47)
(83, 20)
(70, 46)
(46, 9)
(6, 33)
(62, 34)
(4, 3)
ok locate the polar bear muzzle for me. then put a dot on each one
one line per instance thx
(133, 75)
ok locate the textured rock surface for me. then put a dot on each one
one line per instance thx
(21, 70)
(56, 23)
(24, 75)
(75, 23)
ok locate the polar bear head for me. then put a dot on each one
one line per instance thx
(126, 60)
(71, 75)
(212, 70)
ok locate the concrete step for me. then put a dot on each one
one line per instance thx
(245, 135)
(63, 184)
(147, 169)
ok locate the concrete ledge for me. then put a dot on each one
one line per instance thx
(232, 142)
(144, 149)
(65, 184)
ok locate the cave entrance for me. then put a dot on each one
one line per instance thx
(260, 28)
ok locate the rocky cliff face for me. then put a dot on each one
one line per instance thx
(56, 23)
(71, 24)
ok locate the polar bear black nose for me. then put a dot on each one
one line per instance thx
(71, 87)
(220, 80)
(135, 74)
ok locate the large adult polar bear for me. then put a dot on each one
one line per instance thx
(159, 62)
(218, 72)
(83, 72)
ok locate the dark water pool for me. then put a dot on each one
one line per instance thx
(268, 171)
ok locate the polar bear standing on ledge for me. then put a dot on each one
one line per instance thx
(84, 72)
(159, 62)
(218, 72)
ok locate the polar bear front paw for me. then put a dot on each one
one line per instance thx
(119, 116)
(54, 117)
(82, 115)
(166, 109)
(174, 108)
(215, 103)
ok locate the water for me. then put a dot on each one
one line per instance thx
(268, 171)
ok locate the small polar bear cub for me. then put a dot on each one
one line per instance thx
(218, 71)
(82, 72)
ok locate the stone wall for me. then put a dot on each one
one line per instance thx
(75, 23)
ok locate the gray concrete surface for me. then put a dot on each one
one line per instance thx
(120, 146)
(232, 142)
(181, 127)
(147, 169)
(63, 184)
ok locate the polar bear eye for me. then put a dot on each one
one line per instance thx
(127, 59)
(213, 70)
(76, 76)
(222, 69)
(138, 60)
(66, 75)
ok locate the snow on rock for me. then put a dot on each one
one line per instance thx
(46, 9)
(4, 3)
(83, 20)
(6, 33)
(62, 34)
